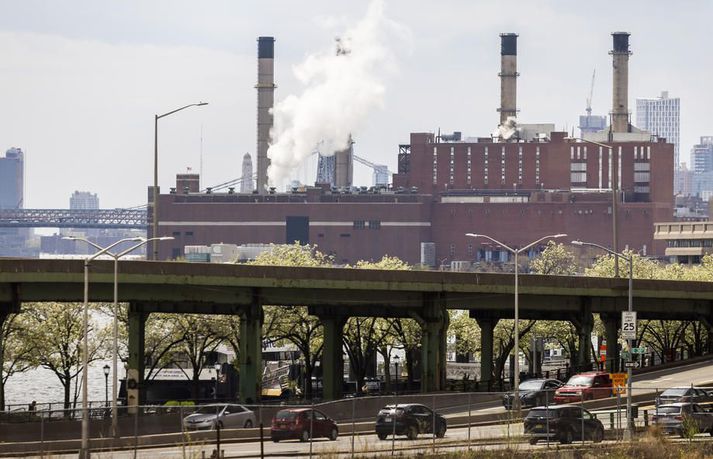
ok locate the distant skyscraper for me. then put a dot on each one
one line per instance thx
(246, 186)
(702, 155)
(661, 117)
(12, 173)
(83, 200)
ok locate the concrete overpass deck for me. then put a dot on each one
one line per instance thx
(334, 294)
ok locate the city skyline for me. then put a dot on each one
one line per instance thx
(81, 84)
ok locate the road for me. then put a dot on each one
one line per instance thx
(480, 436)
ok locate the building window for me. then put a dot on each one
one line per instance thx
(468, 176)
(519, 164)
(641, 177)
(189, 233)
(176, 234)
(470, 250)
(502, 166)
(374, 224)
(359, 224)
(345, 235)
(452, 250)
(451, 170)
(435, 165)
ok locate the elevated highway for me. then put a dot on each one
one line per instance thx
(334, 294)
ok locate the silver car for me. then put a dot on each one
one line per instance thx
(220, 415)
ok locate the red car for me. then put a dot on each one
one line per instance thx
(585, 386)
(295, 423)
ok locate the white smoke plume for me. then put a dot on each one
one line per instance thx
(341, 89)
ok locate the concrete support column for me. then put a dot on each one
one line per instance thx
(584, 324)
(332, 359)
(249, 389)
(135, 391)
(486, 349)
(434, 327)
(611, 334)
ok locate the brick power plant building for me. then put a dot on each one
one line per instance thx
(516, 185)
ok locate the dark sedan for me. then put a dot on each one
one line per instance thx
(563, 423)
(533, 392)
(409, 419)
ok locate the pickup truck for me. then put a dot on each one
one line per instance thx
(671, 418)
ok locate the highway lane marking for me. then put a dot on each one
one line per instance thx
(655, 381)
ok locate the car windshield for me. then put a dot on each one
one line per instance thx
(542, 413)
(533, 384)
(669, 410)
(286, 415)
(390, 409)
(209, 409)
(675, 392)
(579, 380)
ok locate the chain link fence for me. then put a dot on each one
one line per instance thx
(385, 424)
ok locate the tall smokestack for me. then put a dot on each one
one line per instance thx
(508, 76)
(343, 165)
(265, 100)
(620, 91)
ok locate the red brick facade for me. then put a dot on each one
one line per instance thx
(514, 192)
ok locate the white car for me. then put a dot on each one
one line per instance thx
(220, 415)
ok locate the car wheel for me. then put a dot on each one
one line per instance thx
(305, 436)
(276, 440)
(382, 436)
(333, 434)
(441, 432)
(533, 441)
(566, 437)
(598, 435)
(248, 424)
(412, 433)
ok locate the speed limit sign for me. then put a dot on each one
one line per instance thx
(628, 325)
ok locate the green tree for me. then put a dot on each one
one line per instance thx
(15, 350)
(294, 324)
(365, 337)
(555, 259)
(55, 333)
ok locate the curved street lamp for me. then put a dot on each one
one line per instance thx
(105, 251)
(629, 259)
(516, 253)
(154, 224)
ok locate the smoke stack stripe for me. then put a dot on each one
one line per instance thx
(620, 85)
(508, 76)
(265, 100)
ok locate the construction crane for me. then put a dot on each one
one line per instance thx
(380, 170)
(591, 93)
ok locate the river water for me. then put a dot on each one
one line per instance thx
(44, 387)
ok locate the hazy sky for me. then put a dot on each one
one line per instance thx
(80, 80)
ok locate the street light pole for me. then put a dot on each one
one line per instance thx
(629, 259)
(115, 308)
(396, 370)
(615, 197)
(154, 224)
(84, 452)
(106, 386)
(516, 252)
